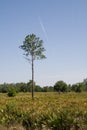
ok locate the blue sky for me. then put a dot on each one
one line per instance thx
(61, 24)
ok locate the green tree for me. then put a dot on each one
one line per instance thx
(85, 84)
(45, 89)
(60, 86)
(78, 87)
(34, 49)
(21, 87)
(38, 88)
(29, 86)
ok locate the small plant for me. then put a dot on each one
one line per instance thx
(10, 115)
(12, 92)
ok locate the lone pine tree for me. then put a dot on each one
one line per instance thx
(34, 49)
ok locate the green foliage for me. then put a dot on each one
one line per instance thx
(10, 115)
(25, 87)
(12, 92)
(4, 88)
(48, 89)
(45, 89)
(37, 88)
(77, 87)
(60, 86)
(33, 46)
(48, 111)
(85, 84)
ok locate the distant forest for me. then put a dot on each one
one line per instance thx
(60, 86)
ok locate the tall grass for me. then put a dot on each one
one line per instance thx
(52, 111)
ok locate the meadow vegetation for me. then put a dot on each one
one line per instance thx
(48, 111)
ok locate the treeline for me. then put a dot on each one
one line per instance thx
(24, 87)
(60, 86)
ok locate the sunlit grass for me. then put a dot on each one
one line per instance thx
(45, 99)
(46, 108)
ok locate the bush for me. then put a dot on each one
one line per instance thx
(10, 115)
(12, 92)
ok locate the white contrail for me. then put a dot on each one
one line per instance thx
(43, 28)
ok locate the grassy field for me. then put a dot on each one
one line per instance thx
(51, 111)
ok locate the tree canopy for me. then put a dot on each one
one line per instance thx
(60, 86)
(33, 47)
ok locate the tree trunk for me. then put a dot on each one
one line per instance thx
(32, 78)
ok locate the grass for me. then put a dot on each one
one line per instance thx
(66, 111)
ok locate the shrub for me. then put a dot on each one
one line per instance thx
(10, 115)
(12, 92)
